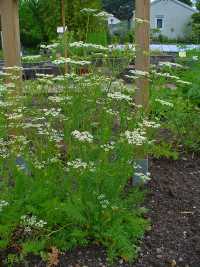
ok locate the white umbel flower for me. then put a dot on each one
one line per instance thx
(82, 136)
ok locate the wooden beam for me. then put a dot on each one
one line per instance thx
(142, 63)
(10, 32)
(64, 32)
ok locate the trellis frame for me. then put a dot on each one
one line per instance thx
(12, 50)
(10, 32)
(142, 62)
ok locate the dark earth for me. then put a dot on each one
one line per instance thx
(174, 209)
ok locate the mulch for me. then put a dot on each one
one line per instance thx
(174, 210)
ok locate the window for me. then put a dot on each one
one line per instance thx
(159, 23)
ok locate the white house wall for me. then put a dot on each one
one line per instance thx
(175, 18)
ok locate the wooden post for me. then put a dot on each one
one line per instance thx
(64, 31)
(142, 63)
(10, 32)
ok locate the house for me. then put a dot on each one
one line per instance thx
(112, 20)
(171, 18)
(114, 24)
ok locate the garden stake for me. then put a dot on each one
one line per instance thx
(11, 35)
(12, 49)
(64, 32)
(142, 63)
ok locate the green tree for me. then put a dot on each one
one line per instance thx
(39, 18)
(198, 5)
(122, 9)
(38, 21)
(188, 2)
(196, 23)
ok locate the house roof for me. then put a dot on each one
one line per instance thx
(178, 3)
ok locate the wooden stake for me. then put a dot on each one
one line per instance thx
(142, 63)
(64, 31)
(10, 32)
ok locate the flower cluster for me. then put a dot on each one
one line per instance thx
(51, 46)
(108, 147)
(58, 99)
(63, 60)
(112, 112)
(150, 124)
(195, 58)
(32, 222)
(79, 164)
(164, 103)
(143, 177)
(88, 10)
(81, 44)
(103, 14)
(119, 96)
(83, 136)
(3, 204)
(139, 73)
(170, 65)
(136, 137)
(103, 201)
(32, 58)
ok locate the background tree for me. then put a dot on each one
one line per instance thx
(39, 19)
(196, 24)
(188, 2)
(122, 9)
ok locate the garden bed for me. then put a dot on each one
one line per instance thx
(174, 206)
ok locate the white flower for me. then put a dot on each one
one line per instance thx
(103, 14)
(119, 96)
(183, 82)
(51, 46)
(15, 68)
(195, 58)
(79, 164)
(47, 76)
(63, 60)
(32, 58)
(58, 99)
(32, 222)
(164, 103)
(82, 136)
(170, 64)
(81, 44)
(88, 10)
(139, 73)
(108, 147)
(112, 112)
(131, 77)
(165, 75)
(103, 201)
(145, 178)
(136, 137)
(150, 124)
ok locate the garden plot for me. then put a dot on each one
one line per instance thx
(78, 137)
